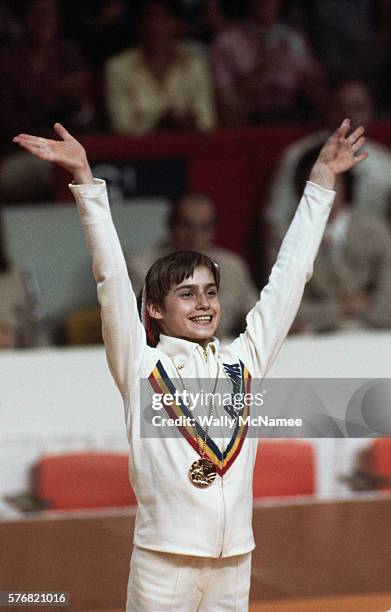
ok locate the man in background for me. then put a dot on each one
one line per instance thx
(372, 182)
(161, 83)
(192, 224)
(263, 69)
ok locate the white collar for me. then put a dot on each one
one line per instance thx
(182, 350)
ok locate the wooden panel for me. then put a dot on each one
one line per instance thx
(87, 556)
(379, 602)
(322, 548)
(303, 550)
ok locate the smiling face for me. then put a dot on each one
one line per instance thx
(191, 309)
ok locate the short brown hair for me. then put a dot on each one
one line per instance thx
(168, 272)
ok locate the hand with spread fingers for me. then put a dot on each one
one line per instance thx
(339, 154)
(67, 152)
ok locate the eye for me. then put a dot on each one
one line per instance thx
(186, 294)
(212, 292)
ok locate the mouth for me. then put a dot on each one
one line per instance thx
(202, 319)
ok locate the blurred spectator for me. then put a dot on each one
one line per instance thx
(101, 27)
(162, 84)
(192, 224)
(351, 283)
(202, 19)
(21, 323)
(383, 43)
(372, 180)
(8, 24)
(44, 78)
(263, 69)
(343, 36)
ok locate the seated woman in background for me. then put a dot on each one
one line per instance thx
(20, 326)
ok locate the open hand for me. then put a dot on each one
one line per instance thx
(339, 154)
(67, 152)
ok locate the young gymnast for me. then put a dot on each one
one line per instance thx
(193, 534)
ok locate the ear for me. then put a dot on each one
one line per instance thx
(154, 311)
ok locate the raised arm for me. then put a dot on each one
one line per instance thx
(271, 318)
(123, 332)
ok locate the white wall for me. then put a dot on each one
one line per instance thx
(49, 239)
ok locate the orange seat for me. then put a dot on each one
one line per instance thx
(83, 480)
(284, 468)
(381, 459)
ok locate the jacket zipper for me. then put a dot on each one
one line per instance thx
(221, 544)
(223, 517)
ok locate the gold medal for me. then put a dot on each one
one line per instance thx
(202, 473)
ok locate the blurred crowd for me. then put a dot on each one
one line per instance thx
(138, 66)
(142, 66)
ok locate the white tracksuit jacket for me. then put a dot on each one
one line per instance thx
(173, 515)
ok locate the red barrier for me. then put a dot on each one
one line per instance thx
(233, 166)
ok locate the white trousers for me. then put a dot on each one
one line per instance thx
(160, 581)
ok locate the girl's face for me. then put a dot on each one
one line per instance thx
(191, 309)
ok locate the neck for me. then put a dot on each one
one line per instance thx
(202, 343)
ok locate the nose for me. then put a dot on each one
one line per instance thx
(202, 301)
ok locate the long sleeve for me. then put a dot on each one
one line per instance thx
(122, 331)
(271, 318)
